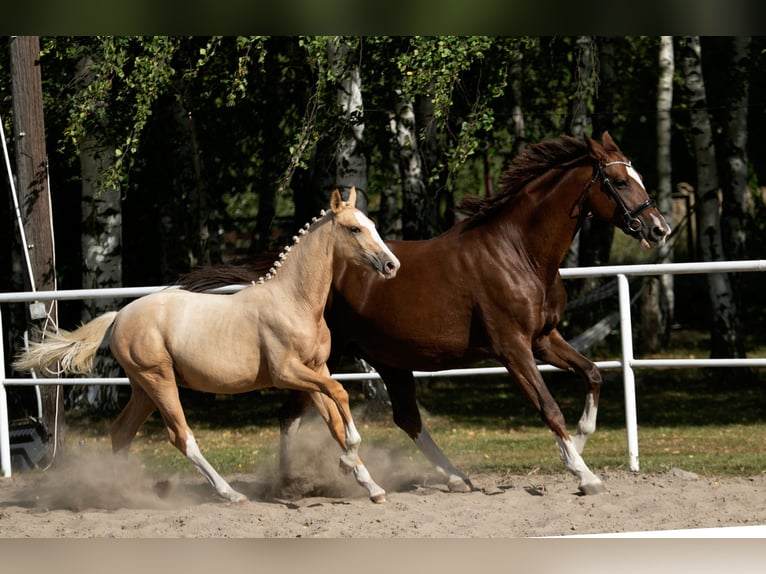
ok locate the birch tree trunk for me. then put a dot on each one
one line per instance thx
(102, 262)
(658, 300)
(415, 200)
(420, 215)
(101, 242)
(350, 159)
(724, 337)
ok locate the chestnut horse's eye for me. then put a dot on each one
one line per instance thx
(620, 183)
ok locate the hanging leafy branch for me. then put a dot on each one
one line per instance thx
(472, 70)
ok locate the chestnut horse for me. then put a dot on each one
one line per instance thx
(488, 288)
(268, 334)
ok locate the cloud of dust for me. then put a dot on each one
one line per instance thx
(315, 464)
(102, 481)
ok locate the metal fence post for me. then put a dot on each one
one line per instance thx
(5, 436)
(628, 376)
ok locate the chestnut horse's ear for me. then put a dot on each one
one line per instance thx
(608, 142)
(336, 201)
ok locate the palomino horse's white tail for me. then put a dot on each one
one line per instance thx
(74, 351)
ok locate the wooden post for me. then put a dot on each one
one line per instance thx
(34, 199)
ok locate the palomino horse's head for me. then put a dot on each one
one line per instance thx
(357, 237)
(623, 199)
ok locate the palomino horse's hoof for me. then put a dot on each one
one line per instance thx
(592, 488)
(379, 498)
(458, 484)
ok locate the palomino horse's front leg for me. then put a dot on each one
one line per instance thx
(521, 365)
(329, 412)
(554, 350)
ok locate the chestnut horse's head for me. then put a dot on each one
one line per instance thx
(358, 238)
(623, 199)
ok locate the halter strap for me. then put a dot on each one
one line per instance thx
(631, 223)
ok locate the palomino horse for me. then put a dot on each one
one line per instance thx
(268, 334)
(488, 288)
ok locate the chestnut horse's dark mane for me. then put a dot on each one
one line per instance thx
(211, 277)
(533, 161)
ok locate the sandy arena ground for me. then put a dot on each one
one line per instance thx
(106, 498)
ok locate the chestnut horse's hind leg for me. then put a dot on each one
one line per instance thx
(401, 391)
(556, 351)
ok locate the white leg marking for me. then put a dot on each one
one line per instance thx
(221, 486)
(589, 482)
(349, 458)
(362, 476)
(587, 424)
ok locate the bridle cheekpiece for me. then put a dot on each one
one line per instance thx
(631, 224)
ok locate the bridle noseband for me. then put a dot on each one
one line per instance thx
(631, 224)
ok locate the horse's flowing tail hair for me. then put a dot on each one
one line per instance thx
(74, 351)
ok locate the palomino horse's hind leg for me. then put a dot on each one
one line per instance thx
(329, 412)
(555, 350)
(130, 419)
(164, 393)
(521, 365)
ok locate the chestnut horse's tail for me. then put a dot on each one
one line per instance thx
(74, 351)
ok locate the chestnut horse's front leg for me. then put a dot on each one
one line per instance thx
(518, 358)
(554, 350)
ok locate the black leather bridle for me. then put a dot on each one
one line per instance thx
(631, 224)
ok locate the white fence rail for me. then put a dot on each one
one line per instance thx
(628, 363)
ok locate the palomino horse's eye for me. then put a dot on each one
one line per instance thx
(354, 229)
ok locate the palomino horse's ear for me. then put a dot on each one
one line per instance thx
(352, 196)
(336, 201)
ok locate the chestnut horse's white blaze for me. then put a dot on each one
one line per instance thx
(269, 334)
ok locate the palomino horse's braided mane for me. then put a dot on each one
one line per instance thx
(283, 254)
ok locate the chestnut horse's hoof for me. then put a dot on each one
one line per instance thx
(459, 484)
(379, 498)
(592, 488)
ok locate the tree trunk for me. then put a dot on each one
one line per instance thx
(350, 159)
(415, 200)
(736, 194)
(34, 199)
(657, 301)
(101, 213)
(517, 111)
(420, 213)
(724, 337)
(579, 118)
